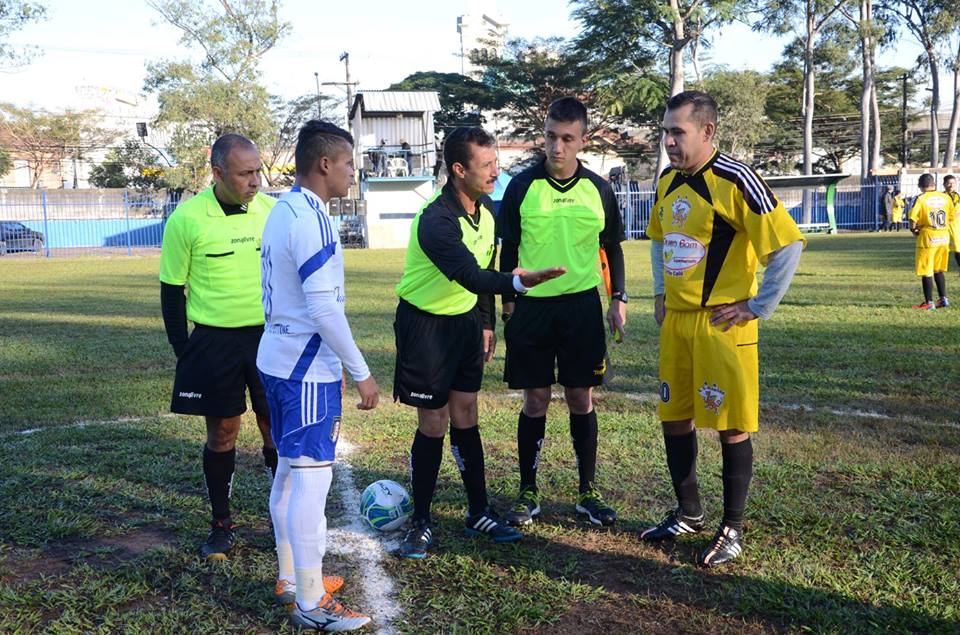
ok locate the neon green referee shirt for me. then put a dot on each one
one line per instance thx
(217, 258)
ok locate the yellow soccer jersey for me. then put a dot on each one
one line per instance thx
(716, 225)
(933, 214)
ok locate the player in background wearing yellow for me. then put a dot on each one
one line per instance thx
(899, 206)
(714, 220)
(931, 216)
(950, 189)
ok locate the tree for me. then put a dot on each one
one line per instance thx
(462, 99)
(5, 162)
(220, 93)
(288, 117)
(931, 23)
(741, 97)
(14, 15)
(626, 40)
(869, 32)
(46, 140)
(951, 152)
(131, 165)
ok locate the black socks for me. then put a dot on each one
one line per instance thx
(467, 450)
(218, 475)
(927, 282)
(270, 460)
(425, 457)
(530, 433)
(737, 472)
(941, 281)
(682, 463)
(583, 433)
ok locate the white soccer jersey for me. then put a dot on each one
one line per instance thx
(301, 254)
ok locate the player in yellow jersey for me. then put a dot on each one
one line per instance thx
(899, 205)
(931, 216)
(714, 220)
(950, 189)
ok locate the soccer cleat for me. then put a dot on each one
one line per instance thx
(591, 504)
(329, 616)
(419, 537)
(674, 524)
(488, 523)
(926, 306)
(525, 508)
(943, 303)
(725, 546)
(285, 592)
(223, 533)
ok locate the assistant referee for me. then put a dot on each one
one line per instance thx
(211, 250)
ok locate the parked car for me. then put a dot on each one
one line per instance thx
(16, 236)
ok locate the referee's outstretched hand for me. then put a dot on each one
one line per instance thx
(533, 278)
(369, 393)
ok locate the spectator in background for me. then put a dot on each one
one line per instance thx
(887, 219)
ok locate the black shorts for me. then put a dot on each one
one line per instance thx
(436, 354)
(214, 370)
(564, 332)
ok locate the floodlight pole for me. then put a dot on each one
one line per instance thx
(316, 78)
(903, 124)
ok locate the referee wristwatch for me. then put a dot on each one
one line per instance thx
(619, 295)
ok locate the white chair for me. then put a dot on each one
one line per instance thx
(397, 167)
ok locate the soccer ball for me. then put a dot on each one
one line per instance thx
(385, 505)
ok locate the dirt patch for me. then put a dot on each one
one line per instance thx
(26, 565)
(623, 614)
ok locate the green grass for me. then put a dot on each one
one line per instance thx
(853, 523)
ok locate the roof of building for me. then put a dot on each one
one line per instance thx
(394, 101)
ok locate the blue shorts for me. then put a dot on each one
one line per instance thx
(304, 417)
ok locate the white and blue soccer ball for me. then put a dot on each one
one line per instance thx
(385, 505)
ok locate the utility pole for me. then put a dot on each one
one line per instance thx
(903, 124)
(316, 77)
(345, 58)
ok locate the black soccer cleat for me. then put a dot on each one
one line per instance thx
(488, 523)
(418, 539)
(525, 508)
(592, 505)
(223, 534)
(726, 545)
(674, 524)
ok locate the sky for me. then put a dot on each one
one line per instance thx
(102, 47)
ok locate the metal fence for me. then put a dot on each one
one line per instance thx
(856, 207)
(51, 223)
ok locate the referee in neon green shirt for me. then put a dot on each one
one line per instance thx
(211, 250)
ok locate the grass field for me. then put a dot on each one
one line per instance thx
(853, 523)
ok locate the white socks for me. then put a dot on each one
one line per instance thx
(307, 526)
(279, 501)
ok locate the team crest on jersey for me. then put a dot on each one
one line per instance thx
(712, 397)
(681, 209)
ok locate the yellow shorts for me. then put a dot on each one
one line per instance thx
(932, 259)
(954, 239)
(709, 375)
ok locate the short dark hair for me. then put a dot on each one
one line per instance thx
(318, 139)
(704, 106)
(949, 177)
(224, 145)
(456, 147)
(925, 181)
(568, 110)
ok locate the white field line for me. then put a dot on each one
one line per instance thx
(77, 425)
(353, 538)
(840, 412)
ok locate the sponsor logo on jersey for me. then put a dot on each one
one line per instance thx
(564, 200)
(244, 239)
(681, 209)
(664, 392)
(712, 397)
(420, 395)
(681, 252)
(191, 395)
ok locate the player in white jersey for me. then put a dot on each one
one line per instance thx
(306, 338)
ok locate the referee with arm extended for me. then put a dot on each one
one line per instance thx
(559, 211)
(211, 250)
(445, 332)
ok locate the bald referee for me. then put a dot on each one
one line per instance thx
(211, 251)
